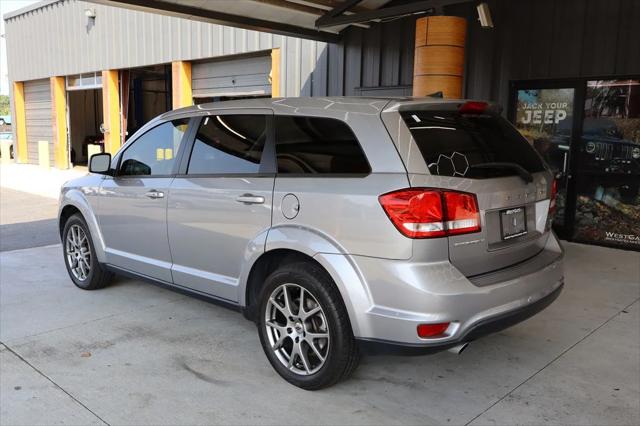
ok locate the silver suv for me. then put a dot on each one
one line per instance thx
(340, 226)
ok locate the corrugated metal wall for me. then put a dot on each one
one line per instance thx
(38, 111)
(56, 40)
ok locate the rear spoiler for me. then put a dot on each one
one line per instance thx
(436, 104)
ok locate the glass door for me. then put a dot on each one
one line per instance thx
(545, 117)
(608, 166)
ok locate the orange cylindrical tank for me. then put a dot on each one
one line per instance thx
(439, 56)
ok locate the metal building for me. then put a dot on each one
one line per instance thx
(85, 74)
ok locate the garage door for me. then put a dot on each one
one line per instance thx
(232, 77)
(37, 102)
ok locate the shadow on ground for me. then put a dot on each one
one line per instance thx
(27, 220)
(29, 234)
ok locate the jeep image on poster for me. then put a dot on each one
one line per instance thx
(608, 177)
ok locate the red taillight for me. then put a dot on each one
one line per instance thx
(552, 204)
(431, 330)
(462, 213)
(473, 107)
(431, 213)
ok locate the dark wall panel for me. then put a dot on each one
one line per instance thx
(567, 43)
(540, 38)
(391, 51)
(600, 37)
(378, 57)
(336, 69)
(628, 49)
(532, 39)
(372, 49)
(352, 62)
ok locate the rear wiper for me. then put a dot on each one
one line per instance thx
(521, 171)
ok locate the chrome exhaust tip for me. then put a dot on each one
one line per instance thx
(458, 349)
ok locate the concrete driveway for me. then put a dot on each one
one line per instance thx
(134, 353)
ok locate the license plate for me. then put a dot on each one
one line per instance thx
(513, 222)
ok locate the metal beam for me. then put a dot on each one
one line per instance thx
(427, 6)
(222, 18)
(341, 8)
(302, 6)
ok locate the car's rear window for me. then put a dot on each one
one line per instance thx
(452, 144)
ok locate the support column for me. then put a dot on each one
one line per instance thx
(111, 110)
(22, 154)
(181, 84)
(59, 106)
(439, 56)
(274, 75)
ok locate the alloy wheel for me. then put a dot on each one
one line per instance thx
(78, 252)
(297, 329)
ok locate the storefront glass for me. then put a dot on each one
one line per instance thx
(545, 118)
(608, 169)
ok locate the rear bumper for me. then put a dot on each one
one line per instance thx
(405, 294)
(482, 328)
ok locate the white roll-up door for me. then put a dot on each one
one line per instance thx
(232, 77)
(38, 117)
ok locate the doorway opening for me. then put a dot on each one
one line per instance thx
(85, 118)
(146, 93)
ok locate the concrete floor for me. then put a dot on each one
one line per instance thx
(134, 353)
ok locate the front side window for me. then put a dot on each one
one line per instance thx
(153, 154)
(229, 144)
(316, 145)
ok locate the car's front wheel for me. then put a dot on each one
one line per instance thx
(304, 327)
(79, 256)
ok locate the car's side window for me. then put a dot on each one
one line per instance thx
(317, 146)
(153, 153)
(228, 144)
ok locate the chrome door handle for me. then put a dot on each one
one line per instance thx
(155, 194)
(250, 199)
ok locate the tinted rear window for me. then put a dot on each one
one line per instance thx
(316, 145)
(452, 144)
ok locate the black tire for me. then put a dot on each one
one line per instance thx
(342, 356)
(98, 276)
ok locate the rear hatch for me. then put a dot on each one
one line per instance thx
(469, 147)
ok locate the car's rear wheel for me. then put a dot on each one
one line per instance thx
(79, 256)
(304, 327)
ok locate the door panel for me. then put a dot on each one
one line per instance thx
(134, 225)
(212, 231)
(133, 205)
(219, 207)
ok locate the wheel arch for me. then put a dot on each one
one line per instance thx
(74, 202)
(289, 245)
(65, 213)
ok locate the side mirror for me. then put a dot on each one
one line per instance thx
(100, 163)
